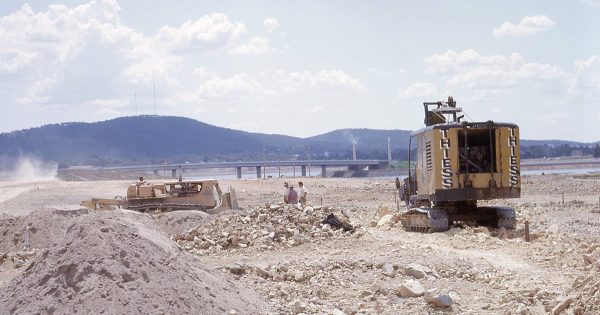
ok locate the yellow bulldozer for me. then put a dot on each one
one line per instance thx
(456, 164)
(146, 196)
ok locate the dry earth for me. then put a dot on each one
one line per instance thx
(281, 259)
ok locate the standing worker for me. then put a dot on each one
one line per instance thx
(286, 192)
(301, 193)
(292, 197)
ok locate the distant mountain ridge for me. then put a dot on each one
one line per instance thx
(162, 139)
(138, 139)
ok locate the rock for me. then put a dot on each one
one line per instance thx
(386, 219)
(381, 212)
(236, 268)
(365, 293)
(299, 307)
(562, 305)
(262, 273)
(415, 271)
(503, 233)
(299, 276)
(410, 288)
(553, 229)
(17, 263)
(388, 270)
(454, 295)
(589, 259)
(439, 300)
(336, 311)
(326, 227)
(482, 229)
(396, 300)
(375, 287)
(300, 239)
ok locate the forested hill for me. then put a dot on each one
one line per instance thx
(158, 139)
(164, 139)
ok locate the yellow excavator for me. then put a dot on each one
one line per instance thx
(456, 164)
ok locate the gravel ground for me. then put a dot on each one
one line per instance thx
(298, 265)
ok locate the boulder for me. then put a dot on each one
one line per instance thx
(236, 268)
(410, 288)
(562, 305)
(299, 276)
(381, 212)
(336, 311)
(386, 219)
(388, 270)
(415, 271)
(439, 300)
(262, 272)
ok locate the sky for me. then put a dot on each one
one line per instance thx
(302, 68)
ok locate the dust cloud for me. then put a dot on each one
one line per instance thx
(28, 169)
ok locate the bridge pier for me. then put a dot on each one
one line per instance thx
(174, 173)
(303, 170)
(323, 171)
(258, 174)
(239, 172)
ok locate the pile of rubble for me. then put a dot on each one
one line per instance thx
(586, 289)
(309, 286)
(111, 263)
(16, 259)
(267, 227)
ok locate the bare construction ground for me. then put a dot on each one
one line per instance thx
(271, 258)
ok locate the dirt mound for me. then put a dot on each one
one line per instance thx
(268, 226)
(179, 222)
(117, 265)
(44, 228)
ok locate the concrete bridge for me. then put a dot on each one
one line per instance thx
(259, 165)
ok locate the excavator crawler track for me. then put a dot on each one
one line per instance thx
(506, 217)
(425, 220)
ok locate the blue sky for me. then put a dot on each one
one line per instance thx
(303, 67)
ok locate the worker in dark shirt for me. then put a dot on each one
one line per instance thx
(292, 197)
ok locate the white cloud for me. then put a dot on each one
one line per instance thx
(585, 84)
(209, 32)
(13, 60)
(255, 45)
(323, 79)
(75, 55)
(236, 86)
(419, 89)
(487, 75)
(529, 25)
(271, 24)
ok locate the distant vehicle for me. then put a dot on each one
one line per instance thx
(457, 164)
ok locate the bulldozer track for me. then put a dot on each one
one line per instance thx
(167, 206)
